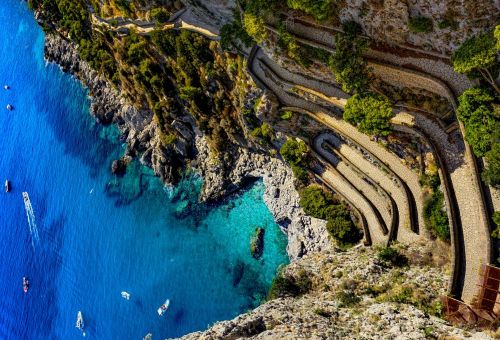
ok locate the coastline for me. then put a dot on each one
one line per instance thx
(304, 234)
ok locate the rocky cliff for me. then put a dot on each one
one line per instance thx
(350, 295)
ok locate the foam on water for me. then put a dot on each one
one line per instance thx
(100, 235)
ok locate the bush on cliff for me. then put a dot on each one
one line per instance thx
(160, 15)
(392, 256)
(321, 10)
(435, 217)
(420, 24)
(295, 152)
(289, 286)
(320, 204)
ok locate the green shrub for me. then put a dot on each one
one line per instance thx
(347, 298)
(316, 202)
(435, 217)
(420, 24)
(370, 113)
(322, 312)
(320, 204)
(491, 174)
(286, 286)
(255, 27)
(160, 15)
(294, 151)
(321, 10)
(496, 220)
(392, 256)
(286, 115)
(233, 32)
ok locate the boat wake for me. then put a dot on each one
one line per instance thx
(30, 214)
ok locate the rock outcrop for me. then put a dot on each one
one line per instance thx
(353, 296)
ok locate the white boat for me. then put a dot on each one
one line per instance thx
(10, 107)
(6, 87)
(125, 295)
(7, 185)
(79, 321)
(163, 308)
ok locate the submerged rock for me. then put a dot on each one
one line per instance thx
(238, 272)
(119, 167)
(257, 243)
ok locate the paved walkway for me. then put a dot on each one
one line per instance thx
(184, 20)
(469, 217)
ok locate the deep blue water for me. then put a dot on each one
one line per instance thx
(99, 235)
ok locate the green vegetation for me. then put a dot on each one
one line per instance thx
(347, 298)
(370, 113)
(435, 217)
(286, 115)
(409, 294)
(321, 10)
(232, 34)
(347, 63)
(255, 27)
(295, 152)
(476, 112)
(481, 117)
(420, 24)
(496, 219)
(320, 204)
(160, 15)
(322, 312)
(477, 56)
(286, 286)
(70, 15)
(264, 132)
(491, 173)
(392, 257)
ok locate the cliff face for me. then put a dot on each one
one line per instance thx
(351, 295)
(452, 20)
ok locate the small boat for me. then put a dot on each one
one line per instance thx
(26, 284)
(6, 87)
(10, 107)
(79, 321)
(125, 295)
(163, 308)
(7, 185)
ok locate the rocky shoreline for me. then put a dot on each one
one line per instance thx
(305, 234)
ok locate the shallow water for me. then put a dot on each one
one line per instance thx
(98, 234)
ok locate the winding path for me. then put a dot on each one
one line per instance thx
(466, 209)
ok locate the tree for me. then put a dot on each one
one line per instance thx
(371, 113)
(347, 62)
(160, 15)
(293, 151)
(475, 110)
(255, 27)
(478, 56)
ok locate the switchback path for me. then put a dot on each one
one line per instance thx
(465, 202)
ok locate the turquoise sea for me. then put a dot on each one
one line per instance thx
(99, 235)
